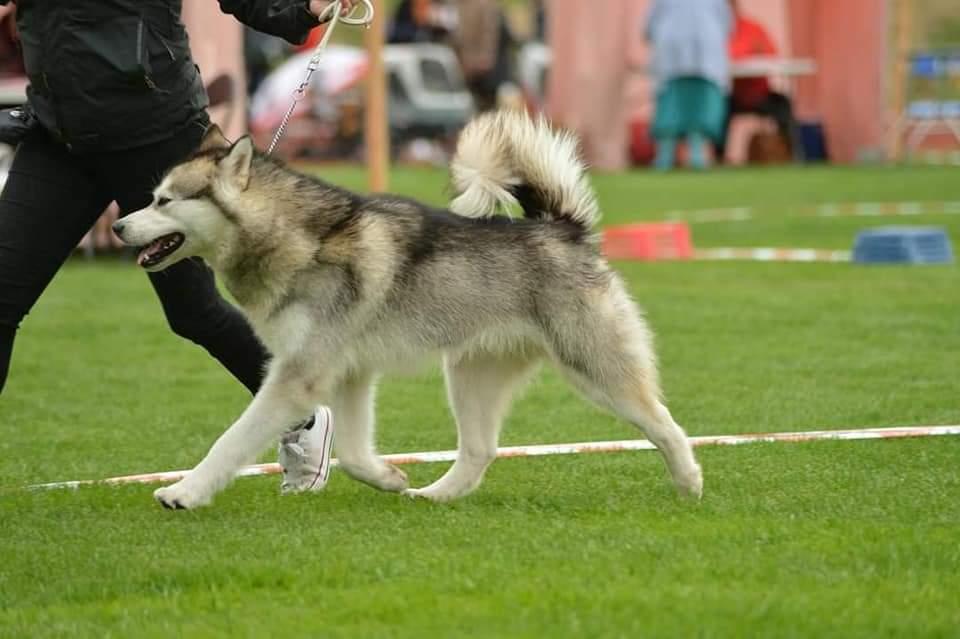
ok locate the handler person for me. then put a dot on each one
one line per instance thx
(118, 100)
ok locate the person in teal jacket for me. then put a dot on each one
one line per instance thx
(692, 73)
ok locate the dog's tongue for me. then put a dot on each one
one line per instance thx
(150, 250)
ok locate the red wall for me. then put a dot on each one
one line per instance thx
(587, 92)
(849, 41)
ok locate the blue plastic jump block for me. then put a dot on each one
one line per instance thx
(903, 245)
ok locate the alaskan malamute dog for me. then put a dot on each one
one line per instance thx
(342, 287)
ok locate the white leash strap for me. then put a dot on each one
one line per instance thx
(331, 13)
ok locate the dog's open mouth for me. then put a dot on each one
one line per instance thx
(157, 250)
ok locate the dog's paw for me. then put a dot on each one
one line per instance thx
(415, 493)
(431, 494)
(392, 480)
(378, 474)
(690, 483)
(181, 496)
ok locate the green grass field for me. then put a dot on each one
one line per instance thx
(858, 539)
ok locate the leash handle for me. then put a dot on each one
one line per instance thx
(331, 14)
(362, 21)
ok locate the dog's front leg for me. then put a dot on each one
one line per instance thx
(284, 399)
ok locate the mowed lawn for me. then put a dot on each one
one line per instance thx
(856, 539)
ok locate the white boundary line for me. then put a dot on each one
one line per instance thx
(733, 214)
(828, 209)
(558, 449)
(772, 254)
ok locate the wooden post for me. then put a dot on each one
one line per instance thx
(902, 37)
(377, 128)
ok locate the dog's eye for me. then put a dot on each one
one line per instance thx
(162, 200)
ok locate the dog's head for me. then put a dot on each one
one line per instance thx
(195, 207)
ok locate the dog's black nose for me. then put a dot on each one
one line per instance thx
(118, 226)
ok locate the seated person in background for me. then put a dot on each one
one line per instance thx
(753, 95)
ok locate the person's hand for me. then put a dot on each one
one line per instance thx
(318, 6)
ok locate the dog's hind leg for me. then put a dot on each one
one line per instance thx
(608, 355)
(647, 412)
(480, 388)
(352, 405)
(638, 403)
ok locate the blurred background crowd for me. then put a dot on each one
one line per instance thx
(659, 83)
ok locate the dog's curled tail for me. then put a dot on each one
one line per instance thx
(506, 156)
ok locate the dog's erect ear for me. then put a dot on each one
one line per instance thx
(236, 165)
(214, 139)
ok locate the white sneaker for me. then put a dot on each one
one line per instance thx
(304, 455)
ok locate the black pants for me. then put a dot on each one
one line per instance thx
(776, 106)
(52, 198)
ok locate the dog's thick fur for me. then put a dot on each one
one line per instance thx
(342, 287)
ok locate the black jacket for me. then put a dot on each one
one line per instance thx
(115, 74)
